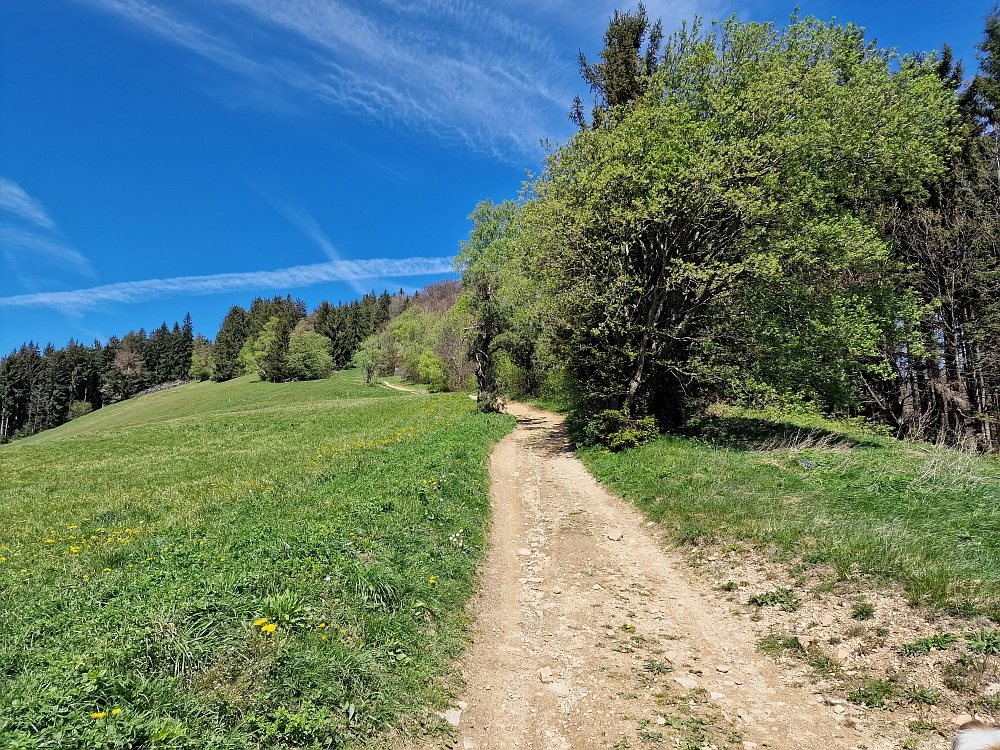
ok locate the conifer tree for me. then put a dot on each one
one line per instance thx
(232, 335)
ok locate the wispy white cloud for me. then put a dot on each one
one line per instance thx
(449, 67)
(32, 246)
(283, 278)
(16, 243)
(13, 199)
(308, 225)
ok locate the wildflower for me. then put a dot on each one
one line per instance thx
(432, 579)
(107, 570)
(74, 549)
(115, 711)
(261, 621)
(269, 628)
(99, 715)
(50, 541)
(322, 637)
(322, 624)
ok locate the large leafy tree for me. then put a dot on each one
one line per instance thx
(488, 262)
(743, 182)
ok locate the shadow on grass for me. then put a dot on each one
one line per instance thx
(756, 434)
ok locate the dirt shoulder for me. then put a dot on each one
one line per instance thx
(591, 634)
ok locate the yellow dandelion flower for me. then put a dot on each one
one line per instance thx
(50, 541)
(322, 624)
(115, 711)
(322, 637)
(99, 715)
(269, 628)
(74, 549)
(432, 579)
(261, 621)
(107, 570)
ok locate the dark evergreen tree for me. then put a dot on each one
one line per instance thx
(262, 310)
(625, 70)
(183, 349)
(232, 334)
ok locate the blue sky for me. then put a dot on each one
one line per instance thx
(165, 156)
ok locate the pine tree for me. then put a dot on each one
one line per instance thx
(232, 335)
(624, 73)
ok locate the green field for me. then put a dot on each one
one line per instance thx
(144, 545)
(827, 492)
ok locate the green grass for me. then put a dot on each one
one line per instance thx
(924, 516)
(141, 544)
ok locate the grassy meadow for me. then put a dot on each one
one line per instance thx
(239, 565)
(830, 492)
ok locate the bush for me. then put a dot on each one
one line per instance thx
(79, 408)
(308, 356)
(433, 371)
(616, 429)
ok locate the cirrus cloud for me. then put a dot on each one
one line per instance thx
(282, 278)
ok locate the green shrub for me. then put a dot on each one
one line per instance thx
(80, 408)
(618, 431)
(309, 356)
(432, 371)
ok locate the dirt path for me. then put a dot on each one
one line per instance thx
(584, 613)
(403, 388)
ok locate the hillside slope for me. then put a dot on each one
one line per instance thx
(238, 565)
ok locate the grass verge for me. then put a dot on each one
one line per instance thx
(924, 516)
(239, 565)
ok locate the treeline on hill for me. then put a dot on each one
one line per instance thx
(40, 389)
(763, 215)
(274, 338)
